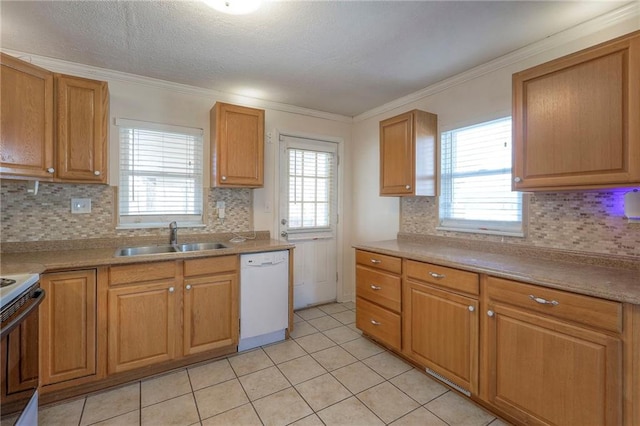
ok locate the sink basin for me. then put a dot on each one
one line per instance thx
(146, 250)
(140, 251)
(201, 246)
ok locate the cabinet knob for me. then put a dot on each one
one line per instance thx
(490, 313)
(374, 322)
(51, 170)
(188, 287)
(97, 173)
(171, 289)
(224, 178)
(517, 179)
(471, 308)
(407, 187)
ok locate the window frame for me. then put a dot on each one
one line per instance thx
(478, 226)
(162, 220)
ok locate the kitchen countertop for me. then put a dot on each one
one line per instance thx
(609, 282)
(57, 259)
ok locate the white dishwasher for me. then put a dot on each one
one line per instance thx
(264, 298)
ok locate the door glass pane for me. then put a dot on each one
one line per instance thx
(310, 189)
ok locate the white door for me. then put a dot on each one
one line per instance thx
(308, 216)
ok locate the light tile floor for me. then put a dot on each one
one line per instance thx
(326, 374)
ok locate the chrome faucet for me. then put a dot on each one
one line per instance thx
(173, 233)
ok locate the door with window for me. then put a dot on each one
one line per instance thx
(308, 216)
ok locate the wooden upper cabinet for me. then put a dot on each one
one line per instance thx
(54, 126)
(82, 121)
(27, 120)
(409, 154)
(576, 120)
(238, 149)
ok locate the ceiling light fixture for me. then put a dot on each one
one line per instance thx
(234, 7)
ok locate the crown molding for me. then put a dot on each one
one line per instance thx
(96, 73)
(592, 26)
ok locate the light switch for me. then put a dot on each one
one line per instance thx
(80, 205)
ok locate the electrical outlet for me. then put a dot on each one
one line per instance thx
(80, 205)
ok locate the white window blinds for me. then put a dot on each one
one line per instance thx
(310, 189)
(476, 191)
(160, 174)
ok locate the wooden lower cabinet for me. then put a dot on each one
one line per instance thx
(549, 372)
(163, 311)
(379, 323)
(441, 332)
(68, 326)
(143, 325)
(379, 301)
(210, 313)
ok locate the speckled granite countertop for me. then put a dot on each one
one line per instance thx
(611, 280)
(64, 257)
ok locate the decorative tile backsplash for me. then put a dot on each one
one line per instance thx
(590, 222)
(47, 215)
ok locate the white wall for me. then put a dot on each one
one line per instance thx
(146, 99)
(364, 215)
(477, 95)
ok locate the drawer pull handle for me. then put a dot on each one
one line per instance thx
(375, 287)
(374, 322)
(376, 261)
(436, 275)
(542, 301)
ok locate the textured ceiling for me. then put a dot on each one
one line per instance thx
(343, 57)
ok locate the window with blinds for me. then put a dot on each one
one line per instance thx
(476, 191)
(160, 175)
(310, 189)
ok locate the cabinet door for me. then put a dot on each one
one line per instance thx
(82, 115)
(441, 333)
(576, 120)
(210, 313)
(68, 326)
(238, 151)
(380, 323)
(396, 155)
(143, 325)
(543, 371)
(27, 120)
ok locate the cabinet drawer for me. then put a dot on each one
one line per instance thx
(140, 272)
(454, 279)
(210, 265)
(378, 322)
(591, 311)
(379, 261)
(378, 287)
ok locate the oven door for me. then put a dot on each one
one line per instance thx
(19, 356)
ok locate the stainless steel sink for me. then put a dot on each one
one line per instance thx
(140, 251)
(201, 246)
(146, 250)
